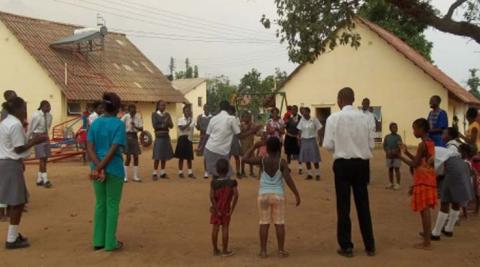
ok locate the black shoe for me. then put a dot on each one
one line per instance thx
(21, 242)
(180, 175)
(317, 177)
(309, 177)
(164, 176)
(300, 172)
(192, 176)
(371, 253)
(98, 248)
(347, 253)
(432, 237)
(40, 183)
(48, 184)
(154, 177)
(205, 177)
(447, 234)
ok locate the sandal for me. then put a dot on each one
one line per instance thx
(283, 254)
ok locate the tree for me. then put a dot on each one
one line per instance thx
(219, 89)
(474, 83)
(195, 71)
(171, 68)
(311, 27)
(188, 69)
(180, 75)
(392, 19)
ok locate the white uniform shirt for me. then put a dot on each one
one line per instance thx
(12, 135)
(39, 124)
(187, 131)
(92, 117)
(349, 135)
(221, 130)
(137, 120)
(372, 121)
(309, 128)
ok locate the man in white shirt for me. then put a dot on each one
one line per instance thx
(133, 124)
(40, 125)
(349, 136)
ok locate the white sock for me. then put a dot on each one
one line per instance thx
(452, 219)
(39, 177)
(12, 233)
(45, 177)
(180, 171)
(318, 171)
(190, 171)
(135, 172)
(162, 172)
(309, 171)
(126, 172)
(206, 174)
(300, 166)
(441, 219)
(154, 173)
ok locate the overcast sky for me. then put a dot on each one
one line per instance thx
(193, 28)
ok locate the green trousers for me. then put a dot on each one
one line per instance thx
(108, 195)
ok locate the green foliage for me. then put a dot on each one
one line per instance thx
(474, 83)
(195, 71)
(188, 69)
(180, 75)
(219, 89)
(392, 19)
(311, 27)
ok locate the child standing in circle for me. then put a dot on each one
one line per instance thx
(105, 141)
(223, 197)
(309, 130)
(162, 148)
(271, 195)
(391, 145)
(424, 189)
(134, 124)
(184, 150)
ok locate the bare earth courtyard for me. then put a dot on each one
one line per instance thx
(166, 223)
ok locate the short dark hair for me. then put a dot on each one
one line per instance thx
(273, 145)
(222, 166)
(453, 132)
(112, 102)
(306, 109)
(224, 105)
(472, 113)
(437, 97)
(96, 104)
(347, 94)
(8, 93)
(422, 123)
(467, 150)
(14, 104)
(392, 124)
(43, 103)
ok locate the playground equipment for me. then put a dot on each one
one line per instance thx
(65, 143)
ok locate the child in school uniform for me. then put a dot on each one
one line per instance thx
(14, 147)
(162, 148)
(424, 189)
(223, 198)
(40, 125)
(308, 131)
(105, 143)
(133, 124)
(271, 194)
(184, 150)
(391, 145)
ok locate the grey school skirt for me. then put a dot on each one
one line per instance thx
(309, 151)
(211, 159)
(42, 150)
(133, 146)
(13, 190)
(456, 186)
(162, 149)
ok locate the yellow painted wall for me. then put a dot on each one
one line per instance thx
(20, 72)
(192, 97)
(377, 71)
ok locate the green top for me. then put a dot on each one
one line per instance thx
(392, 142)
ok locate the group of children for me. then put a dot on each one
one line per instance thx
(445, 173)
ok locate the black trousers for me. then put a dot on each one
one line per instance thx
(353, 175)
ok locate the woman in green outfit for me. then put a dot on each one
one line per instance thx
(105, 142)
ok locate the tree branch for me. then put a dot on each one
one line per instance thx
(453, 7)
(424, 12)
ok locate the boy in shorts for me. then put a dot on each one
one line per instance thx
(391, 145)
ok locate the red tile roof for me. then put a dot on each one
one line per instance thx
(416, 58)
(120, 67)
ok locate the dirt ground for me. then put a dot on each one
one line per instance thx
(166, 223)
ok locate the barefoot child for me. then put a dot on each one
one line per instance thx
(223, 197)
(391, 145)
(105, 142)
(271, 195)
(424, 189)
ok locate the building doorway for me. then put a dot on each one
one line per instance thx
(322, 114)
